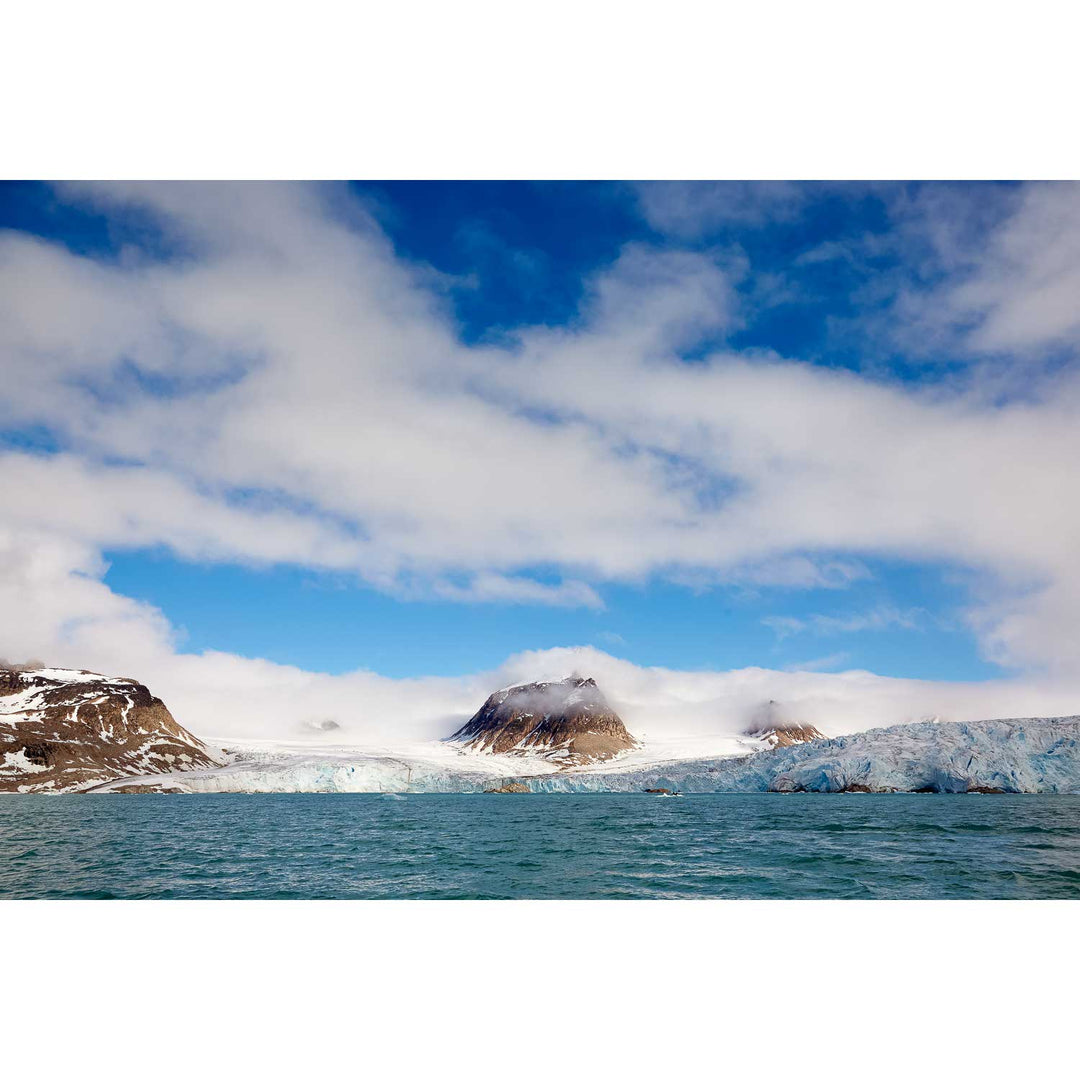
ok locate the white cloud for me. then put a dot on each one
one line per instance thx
(965, 272)
(288, 390)
(1024, 289)
(821, 663)
(881, 618)
(68, 617)
(695, 209)
(495, 587)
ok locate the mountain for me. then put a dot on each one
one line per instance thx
(64, 730)
(788, 736)
(775, 728)
(567, 723)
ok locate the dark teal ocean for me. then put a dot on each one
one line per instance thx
(463, 847)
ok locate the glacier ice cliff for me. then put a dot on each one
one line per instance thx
(1038, 755)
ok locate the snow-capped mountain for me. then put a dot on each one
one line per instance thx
(63, 730)
(568, 723)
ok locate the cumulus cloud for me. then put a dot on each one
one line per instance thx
(284, 388)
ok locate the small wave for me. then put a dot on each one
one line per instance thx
(593, 847)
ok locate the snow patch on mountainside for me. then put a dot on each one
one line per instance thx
(18, 763)
(67, 730)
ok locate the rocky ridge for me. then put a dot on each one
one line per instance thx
(790, 735)
(64, 730)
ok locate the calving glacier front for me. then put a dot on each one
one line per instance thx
(283, 768)
(1037, 755)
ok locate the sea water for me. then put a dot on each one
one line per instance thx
(463, 847)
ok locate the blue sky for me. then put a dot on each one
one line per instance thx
(327, 623)
(297, 412)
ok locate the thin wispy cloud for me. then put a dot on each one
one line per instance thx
(855, 623)
(821, 663)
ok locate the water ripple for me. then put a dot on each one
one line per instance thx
(538, 847)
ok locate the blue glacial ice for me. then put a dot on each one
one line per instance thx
(1040, 755)
(1030, 755)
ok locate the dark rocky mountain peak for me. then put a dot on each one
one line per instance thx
(774, 725)
(568, 722)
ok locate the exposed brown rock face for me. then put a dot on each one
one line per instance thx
(789, 736)
(775, 728)
(515, 787)
(69, 730)
(567, 722)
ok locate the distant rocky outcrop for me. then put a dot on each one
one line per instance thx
(567, 723)
(776, 728)
(515, 787)
(787, 736)
(63, 730)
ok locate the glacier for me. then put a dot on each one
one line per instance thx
(283, 768)
(1039, 755)
(1032, 755)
